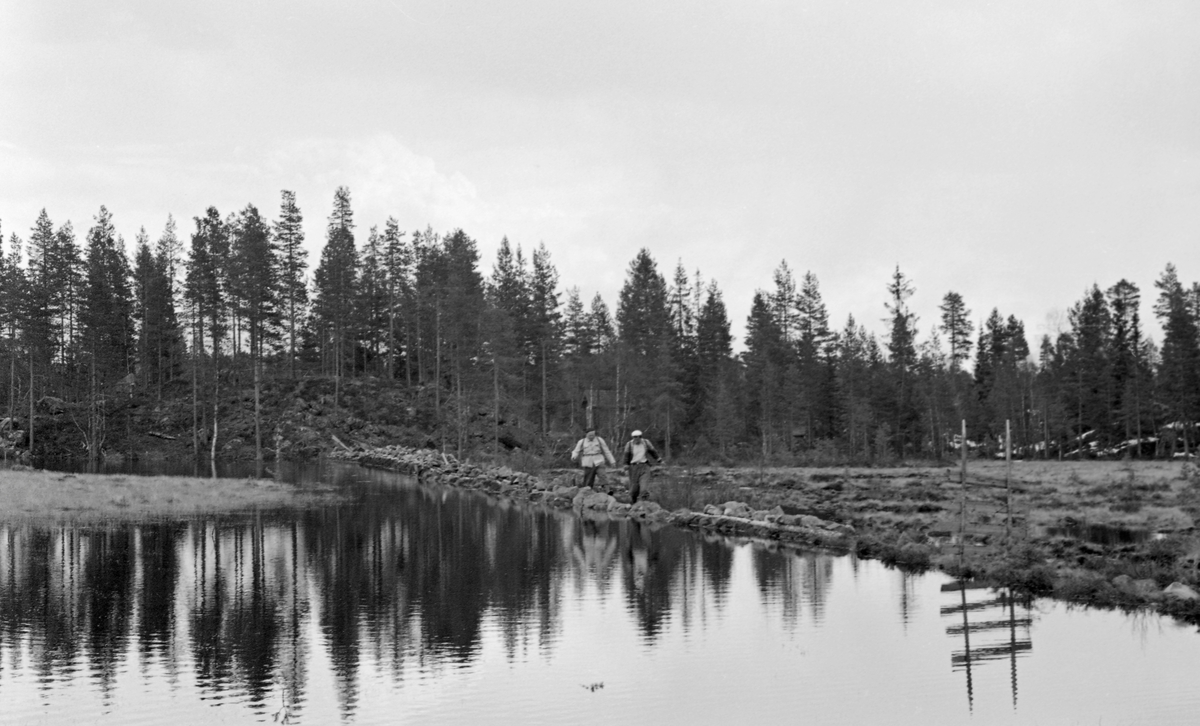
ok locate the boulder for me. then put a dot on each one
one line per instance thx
(618, 507)
(567, 492)
(598, 500)
(736, 509)
(1180, 591)
(646, 508)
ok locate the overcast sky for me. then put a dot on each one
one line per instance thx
(1016, 152)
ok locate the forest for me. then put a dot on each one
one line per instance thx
(231, 304)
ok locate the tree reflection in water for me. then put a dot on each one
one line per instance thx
(406, 577)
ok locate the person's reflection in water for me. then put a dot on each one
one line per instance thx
(595, 547)
(647, 586)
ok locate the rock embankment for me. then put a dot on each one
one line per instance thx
(733, 518)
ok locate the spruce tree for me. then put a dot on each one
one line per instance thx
(335, 282)
(293, 261)
(1179, 369)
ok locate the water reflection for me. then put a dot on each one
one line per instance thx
(395, 603)
(407, 573)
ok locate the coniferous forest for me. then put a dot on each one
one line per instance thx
(502, 354)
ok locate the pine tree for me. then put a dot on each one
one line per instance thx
(397, 271)
(1088, 393)
(41, 304)
(545, 325)
(254, 289)
(714, 387)
(765, 360)
(371, 311)
(902, 358)
(106, 317)
(293, 261)
(1179, 370)
(646, 340)
(206, 290)
(335, 281)
(956, 325)
(1130, 370)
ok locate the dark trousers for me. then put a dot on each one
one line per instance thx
(589, 475)
(636, 472)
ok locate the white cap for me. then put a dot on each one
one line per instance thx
(636, 434)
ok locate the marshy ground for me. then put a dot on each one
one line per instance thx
(1109, 533)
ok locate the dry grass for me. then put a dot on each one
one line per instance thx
(49, 497)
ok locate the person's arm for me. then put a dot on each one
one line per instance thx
(628, 456)
(575, 452)
(653, 451)
(607, 454)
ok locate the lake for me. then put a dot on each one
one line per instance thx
(423, 605)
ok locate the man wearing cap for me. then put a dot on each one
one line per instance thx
(638, 453)
(591, 452)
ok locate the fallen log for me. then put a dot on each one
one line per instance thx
(158, 435)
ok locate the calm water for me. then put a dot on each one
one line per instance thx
(422, 605)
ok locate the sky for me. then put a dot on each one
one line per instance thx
(1015, 152)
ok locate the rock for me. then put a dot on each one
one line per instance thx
(598, 500)
(768, 515)
(735, 509)
(712, 510)
(646, 508)
(1180, 591)
(567, 492)
(618, 507)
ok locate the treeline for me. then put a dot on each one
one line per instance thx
(82, 324)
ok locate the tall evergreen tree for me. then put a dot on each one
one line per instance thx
(545, 325)
(335, 281)
(1130, 369)
(293, 261)
(1179, 371)
(254, 289)
(397, 273)
(371, 311)
(106, 317)
(902, 359)
(957, 327)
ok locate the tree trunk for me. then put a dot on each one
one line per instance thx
(545, 424)
(495, 406)
(31, 401)
(258, 453)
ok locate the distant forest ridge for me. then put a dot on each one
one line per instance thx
(231, 300)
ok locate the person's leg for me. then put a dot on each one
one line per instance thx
(589, 475)
(635, 481)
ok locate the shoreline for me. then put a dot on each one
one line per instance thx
(899, 516)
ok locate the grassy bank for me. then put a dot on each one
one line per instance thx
(47, 497)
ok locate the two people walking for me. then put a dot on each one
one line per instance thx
(592, 452)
